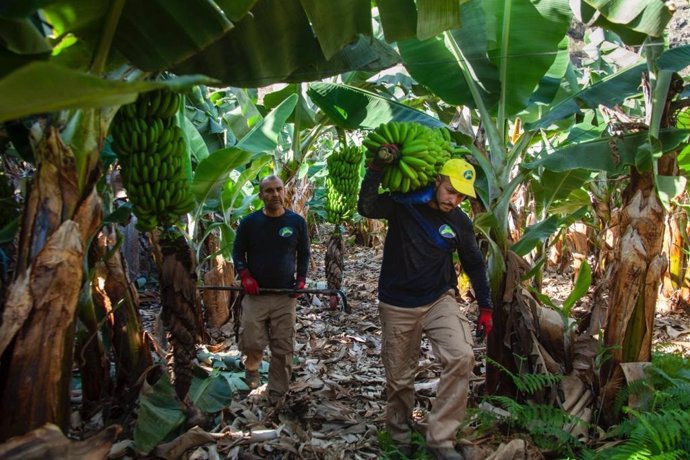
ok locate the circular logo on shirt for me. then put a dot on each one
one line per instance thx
(446, 231)
(286, 232)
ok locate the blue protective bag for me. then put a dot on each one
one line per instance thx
(423, 195)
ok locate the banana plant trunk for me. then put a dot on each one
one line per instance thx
(120, 301)
(639, 269)
(180, 309)
(675, 242)
(60, 218)
(335, 264)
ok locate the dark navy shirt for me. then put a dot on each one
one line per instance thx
(272, 248)
(416, 270)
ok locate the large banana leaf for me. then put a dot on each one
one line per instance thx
(354, 108)
(276, 44)
(42, 87)
(612, 155)
(249, 43)
(632, 20)
(338, 23)
(614, 88)
(153, 35)
(521, 40)
(432, 64)
(212, 172)
(398, 18)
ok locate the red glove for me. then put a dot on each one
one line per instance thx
(485, 322)
(249, 284)
(301, 282)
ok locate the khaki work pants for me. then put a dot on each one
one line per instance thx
(269, 320)
(448, 331)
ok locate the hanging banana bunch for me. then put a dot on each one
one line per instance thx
(342, 188)
(422, 152)
(342, 183)
(152, 153)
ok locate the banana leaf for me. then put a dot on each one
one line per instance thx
(22, 42)
(42, 87)
(670, 188)
(521, 43)
(580, 288)
(598, 155)
(398, 18)
(353, 108)
(541, 231)
(432, 64)
(159, 414)
(304, 111)
(643, 17)
(212, 173)
(612, 89)
(550, 187)
(337, 23)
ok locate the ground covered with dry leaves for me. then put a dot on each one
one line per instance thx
(335, 408)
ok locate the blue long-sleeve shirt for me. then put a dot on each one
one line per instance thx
(416, 270)
(274, 249)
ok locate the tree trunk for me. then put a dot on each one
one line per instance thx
(217, 303)
(57, 224)
(640, 265)
(222, 273)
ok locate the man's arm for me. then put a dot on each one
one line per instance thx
(303, 251)
(472, 262)
(370, 203)
(239, 249)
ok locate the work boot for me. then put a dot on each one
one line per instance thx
(252, 379)
(445, 453)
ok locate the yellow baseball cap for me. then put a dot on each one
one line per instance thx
(461, 175)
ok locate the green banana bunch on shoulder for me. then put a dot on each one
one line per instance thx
(419, 152)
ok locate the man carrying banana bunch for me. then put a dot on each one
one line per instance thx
(417, 294)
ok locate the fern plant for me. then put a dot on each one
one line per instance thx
(548, 426)
(659, 428)
(528, 383)
(653, 435)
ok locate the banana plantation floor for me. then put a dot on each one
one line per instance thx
(336, 403)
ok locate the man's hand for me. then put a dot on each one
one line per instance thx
(387, 154)
(485, 322)
(249, 284)
(301, 282)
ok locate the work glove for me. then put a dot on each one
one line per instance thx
(301, 282)
(485, 322)
(387, 154)
(249, 284)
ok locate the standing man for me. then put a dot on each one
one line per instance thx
(417, 288)
(271, 251)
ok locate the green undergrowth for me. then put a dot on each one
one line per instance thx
(656, 427)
